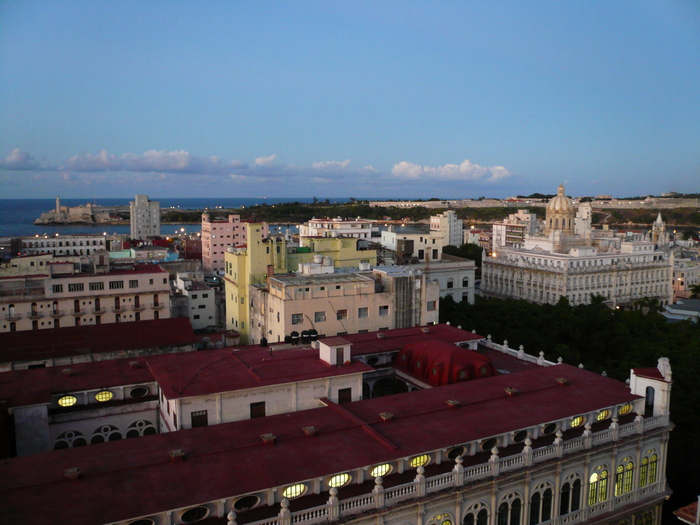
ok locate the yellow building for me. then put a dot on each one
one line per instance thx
(266, 256)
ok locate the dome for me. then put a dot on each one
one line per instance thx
(561, 202)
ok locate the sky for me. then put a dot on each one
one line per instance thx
(390, 99)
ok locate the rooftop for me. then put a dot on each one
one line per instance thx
(135, 477)
(330, 278)
(226, 370)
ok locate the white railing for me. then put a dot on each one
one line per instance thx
(380, 498)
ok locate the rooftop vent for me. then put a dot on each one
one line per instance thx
(67, 371)
(425, 329)
(512, 391)
(309, 431)
(134, 364)
(177, 455)
(380, 336)
(386, 416)
(562, 381)
(268, 439)
(72, 473)
(452, 403)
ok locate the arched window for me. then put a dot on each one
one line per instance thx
(649, 402)
(76, 306)
(509, 511)
(598, 486)
(450, 283)
(623, 476)
(465, 282)
(117, 304)
(155, 300)
(55, 307)
(137, 301)
(477, 515)
(541, 504)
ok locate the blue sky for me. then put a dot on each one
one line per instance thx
(451, 99)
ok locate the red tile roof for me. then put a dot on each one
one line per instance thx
(131, 478)
(30, 345)
(226, 370)
(651, 373)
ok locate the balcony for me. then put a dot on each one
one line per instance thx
(13, 316)
(138, 307)
(158, 306)
(35, 315)
(77, 312)
(118, 309)
(99, 311)
(56, 313)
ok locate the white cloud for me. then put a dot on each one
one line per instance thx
(466, 171)
(19, 160)
(331, 165)
(152, 161)
(262, 161)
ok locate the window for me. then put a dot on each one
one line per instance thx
(297, 318)
(57, 288)
(598, 486)
(541, 505)
(257, 409)
(342, 314)
(625, 409)
(465, 282)
(199, 419)
(202, 306)
(577, 421)
(432, 306)
(450, 283)
(104, 395)
(363, 312)
(294, 491)
(482, 518)
(344, 395)
(319, 317)
(384, 310)
(603, 415)
(570, 498)
(339, 480)
(96, 286)
(75, 287)
(623, 476)
(67, 401)
(194, 514)
(509, 511)
(133, 283)
(116, 285)
(419, 461)
(380, 470)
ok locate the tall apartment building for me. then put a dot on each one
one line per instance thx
(528, 442)
(449, 226)
(562, 263)
(218, 235)
(65, 296)
(263, 256)
(337, 303)
(512, 231)
(145, 217)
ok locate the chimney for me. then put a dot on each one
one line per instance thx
(177, 455)
(72, 474)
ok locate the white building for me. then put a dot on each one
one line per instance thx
(201, 304)
(338, 227)
(145, 218)
(455, 276)
(561, 263)
(64, 244)
(686, 274)
(449, 226)
(512, 231)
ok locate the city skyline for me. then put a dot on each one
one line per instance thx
(402, 99)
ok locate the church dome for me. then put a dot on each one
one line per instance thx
(560, 203)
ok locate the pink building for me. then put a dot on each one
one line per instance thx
(219, 235)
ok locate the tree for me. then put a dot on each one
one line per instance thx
(695, 289)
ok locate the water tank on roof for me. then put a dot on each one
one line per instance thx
(263, 342)
(287, 339)
(295, 337)
(313, 335)
(305, 339)
(318, 259)
(327, 261)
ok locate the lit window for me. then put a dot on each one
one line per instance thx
(625, 409)
(603, 415)
(419, 461)
(380, 470)
(339, 480)
(294, 491)
(103, 396)
(577, 421)
(68, 401)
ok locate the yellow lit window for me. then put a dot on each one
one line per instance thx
(603, 414)
(380, 470)
(294, 491)
(68, 401)
(577, 421)
(419, 461)
(625, 409)
(339, 480)
(103, 396)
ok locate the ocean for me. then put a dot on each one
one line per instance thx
(17, 216)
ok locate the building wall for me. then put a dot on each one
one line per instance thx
(101, 299)
(64, 244)
(279, 399)
(145, 217)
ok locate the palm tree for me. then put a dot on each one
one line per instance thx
(695, 289)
